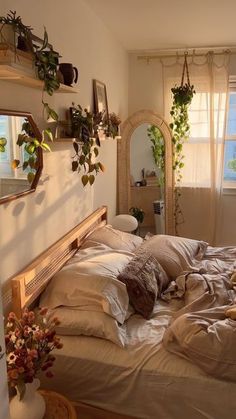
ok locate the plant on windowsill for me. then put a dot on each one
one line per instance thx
(182, 98)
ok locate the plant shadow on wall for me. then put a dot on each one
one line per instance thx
(182, 98)
(88, 130)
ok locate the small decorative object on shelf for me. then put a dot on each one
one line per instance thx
(29, 341)
(85, 144)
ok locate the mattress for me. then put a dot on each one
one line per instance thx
(142, 380)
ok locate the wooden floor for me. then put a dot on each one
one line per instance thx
(88, 412)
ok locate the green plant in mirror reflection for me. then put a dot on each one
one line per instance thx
(158, 150)
(30, 143)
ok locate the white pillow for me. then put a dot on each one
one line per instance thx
(70, 288)
(88, 323)
(175, 254)
(115, 239)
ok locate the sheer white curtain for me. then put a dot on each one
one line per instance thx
(204, 152)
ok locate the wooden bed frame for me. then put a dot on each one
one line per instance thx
(27, 285)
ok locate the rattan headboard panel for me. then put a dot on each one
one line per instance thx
(28, 284)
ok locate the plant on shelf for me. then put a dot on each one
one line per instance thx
(29, 341)
(31, 144)
(86, 144)
(182, 98)
(158, 150)
(45, 58)
(106, 126)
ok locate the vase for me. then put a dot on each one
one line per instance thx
(31, 406)
(70, 73)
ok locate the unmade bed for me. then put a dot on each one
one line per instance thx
(139, 321)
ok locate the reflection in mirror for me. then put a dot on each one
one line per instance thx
(147, 169)
(139, 162)
(20, 157)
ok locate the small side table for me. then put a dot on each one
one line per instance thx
(57, 406)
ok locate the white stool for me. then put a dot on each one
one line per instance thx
(125, 222)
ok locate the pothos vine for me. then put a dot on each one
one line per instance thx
(182, 98)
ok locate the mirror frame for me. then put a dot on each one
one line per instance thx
(32, 187)
(123, 163)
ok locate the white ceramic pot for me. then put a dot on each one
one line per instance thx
(32, 405)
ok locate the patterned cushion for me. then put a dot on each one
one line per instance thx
(144, 279)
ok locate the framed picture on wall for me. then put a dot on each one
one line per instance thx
(100, 97)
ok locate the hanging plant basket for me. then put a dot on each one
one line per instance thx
(182, 98)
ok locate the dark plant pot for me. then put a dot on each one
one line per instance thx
(70, 73)
(22, 44)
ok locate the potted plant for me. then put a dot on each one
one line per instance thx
(34, 336)
(45, 58)
(86, 143)
(139, 214)
(158, 150)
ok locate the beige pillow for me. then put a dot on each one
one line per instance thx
(175, 254)
(88, 323)
(115, 239)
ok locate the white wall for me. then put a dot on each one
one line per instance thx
(146, 92)
(31, 224)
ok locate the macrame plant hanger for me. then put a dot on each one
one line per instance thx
(185, 68)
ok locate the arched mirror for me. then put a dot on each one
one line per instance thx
(20, 159)
(145, 175)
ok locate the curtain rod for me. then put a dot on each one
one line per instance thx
(231, 51)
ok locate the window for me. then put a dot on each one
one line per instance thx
(9, 127)
(230, 139)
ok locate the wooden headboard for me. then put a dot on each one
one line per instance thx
(29, 283)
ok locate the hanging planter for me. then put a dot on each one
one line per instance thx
(182, 98)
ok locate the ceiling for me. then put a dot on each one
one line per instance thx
(145, 25)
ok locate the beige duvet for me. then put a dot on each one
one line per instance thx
(191, 376)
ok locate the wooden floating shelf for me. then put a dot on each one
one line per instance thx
(19, 68)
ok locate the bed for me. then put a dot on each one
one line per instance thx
(143, 350)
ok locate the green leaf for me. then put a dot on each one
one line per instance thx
(48, 133)
(75, 165)
(30, 177)
(101, 167)
(3, 141)
(45, 146)
(95, 150)
(2, 148)
(76, 147)
(25, 165)
(85, 179)
(82, 159)
(91, 179)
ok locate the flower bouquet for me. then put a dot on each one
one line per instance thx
(29, 341)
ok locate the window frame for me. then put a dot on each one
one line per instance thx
(229, 187)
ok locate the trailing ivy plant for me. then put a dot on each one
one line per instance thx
(182, 98)
(86, 145)
(158, 150)
(31, 144)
